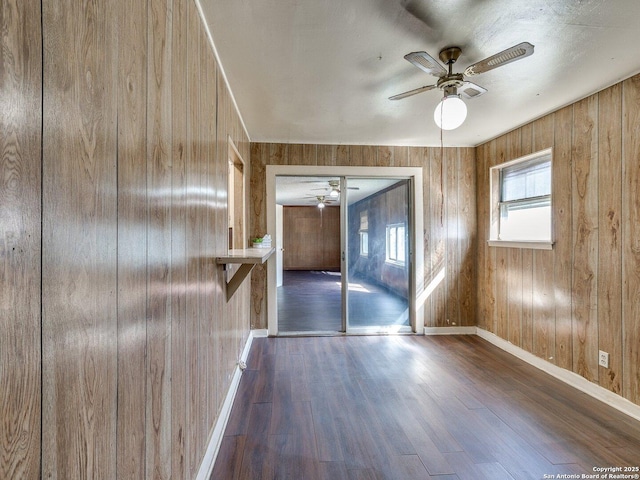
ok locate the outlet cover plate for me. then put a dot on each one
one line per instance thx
(603, 359)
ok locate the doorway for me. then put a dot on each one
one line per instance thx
(349, 250)
(309, 298)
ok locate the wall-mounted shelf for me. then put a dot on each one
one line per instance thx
(247, 258)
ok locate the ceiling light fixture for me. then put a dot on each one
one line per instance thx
(320, 204)
(334, 193)
(451, 112)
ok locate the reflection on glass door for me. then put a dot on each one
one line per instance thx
(377, 255)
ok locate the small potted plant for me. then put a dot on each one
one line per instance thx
(257, 242)
(262, 242)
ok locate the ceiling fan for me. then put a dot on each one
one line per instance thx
(321, 201)
(334, 188)
(452, 111)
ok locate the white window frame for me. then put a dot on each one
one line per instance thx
(364, 243)
(401, 262)
(364, 233)
(495, 187)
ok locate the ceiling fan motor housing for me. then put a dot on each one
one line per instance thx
(450, 83)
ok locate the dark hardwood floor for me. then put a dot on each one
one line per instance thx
(407, 407)
(310, 301)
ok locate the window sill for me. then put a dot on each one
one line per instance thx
(390, 263)
(521, 244)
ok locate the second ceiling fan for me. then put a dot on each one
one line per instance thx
(452, 111)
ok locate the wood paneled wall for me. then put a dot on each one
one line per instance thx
(566, 304)
(123, 118)
(20, 245)
(449, 177)
(311, 238)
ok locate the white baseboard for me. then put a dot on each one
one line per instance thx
(449, 330)
(261, 333)
(568, 377)
(209, 460)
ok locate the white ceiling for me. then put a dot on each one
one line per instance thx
(321, 71)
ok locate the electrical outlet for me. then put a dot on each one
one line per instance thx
(603, 359)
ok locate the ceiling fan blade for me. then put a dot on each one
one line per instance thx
(509, 55)
(412, 92)
(471, 90)
(425, 62)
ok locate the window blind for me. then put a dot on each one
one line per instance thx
(528, 179)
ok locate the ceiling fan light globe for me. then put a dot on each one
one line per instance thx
(320, 204)
(334, 193)
(450, 113)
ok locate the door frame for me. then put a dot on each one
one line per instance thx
(416, 255)
(278, 244)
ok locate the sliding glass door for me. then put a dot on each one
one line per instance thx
(376, 265)
(344, 254)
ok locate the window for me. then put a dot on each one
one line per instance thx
(396, 244)
(364, 244)
(364, 233)
(521, 201)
